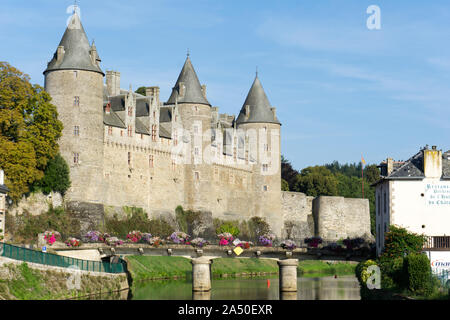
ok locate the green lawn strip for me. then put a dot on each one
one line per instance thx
(317, 267)
(148, 267)
(229, 266)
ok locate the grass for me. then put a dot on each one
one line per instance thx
(317, 268)
(160, 267)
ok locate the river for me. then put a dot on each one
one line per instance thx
(323, 288)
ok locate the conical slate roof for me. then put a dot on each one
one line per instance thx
(77, 50)
(260, 111)
(193, 90)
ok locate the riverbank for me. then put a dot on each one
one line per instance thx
(163, 267)
(29, 281)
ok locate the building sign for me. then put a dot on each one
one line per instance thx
(437, 194)
(439, 260)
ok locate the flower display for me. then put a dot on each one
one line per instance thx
(155, 241)
(179, 237)
(313, 242)
(266, 240)
(288, 245)
(113, 241)
(134, 236)
(199, 242)
(146, 237)
(95, 236)
(51, 236)
(225, 238)
(245, 244)
(73, 242)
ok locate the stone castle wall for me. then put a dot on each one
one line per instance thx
(331, 218)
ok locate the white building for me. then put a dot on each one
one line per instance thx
(3, 191)
(415, 195)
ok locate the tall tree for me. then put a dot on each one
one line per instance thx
(29, 130)
(288, 173)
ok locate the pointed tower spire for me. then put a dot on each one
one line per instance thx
(187, 88)
(74, 50)
(256, 108)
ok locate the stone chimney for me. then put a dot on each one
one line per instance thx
(181, 89)
(108, 108)
(432, 163)
(113, 83)
(204, 90)
(389, 166)
(152, 92)
(60, 54)
(274, 112)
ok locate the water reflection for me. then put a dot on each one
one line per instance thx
(324, 288)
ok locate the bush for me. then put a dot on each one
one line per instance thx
(137, 220)
(399, 242)
(27, 227)
(56, 177)
(254, 228)
(186, 219)
(228, 227)
(361, 271)
(392, 273)
(418, 271)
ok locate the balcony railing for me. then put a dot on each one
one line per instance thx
(437, 243)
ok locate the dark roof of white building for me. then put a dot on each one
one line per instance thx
(3, 189)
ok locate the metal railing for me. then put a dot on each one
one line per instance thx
(437, 242)
(50, 259)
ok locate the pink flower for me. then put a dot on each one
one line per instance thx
(223, 242)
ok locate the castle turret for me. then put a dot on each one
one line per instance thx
(75, 81)
(262, 130)
(189, 97)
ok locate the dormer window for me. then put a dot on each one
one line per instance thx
(130, 131)
(76, 101)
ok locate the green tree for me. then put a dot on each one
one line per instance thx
(141, 90)
(288, 173)
(29, 130)
(316, 181)
(56, 177)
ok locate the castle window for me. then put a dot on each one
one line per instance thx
(154, 132)
(265, 167)
(196, 151)
(75, 73)
(174, 165)
(130, 111)
(266, 147)
(266, 188)
(76, 158)
(197, 175)
(110, 130)
(130, 130)
(76, 101)
(154, 114)
(196, 109)
(76, 131)
(129, 158)
(151, 161)
(121, 133)
(142, 136)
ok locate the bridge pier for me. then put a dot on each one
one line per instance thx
(201, 274)
(288, 275)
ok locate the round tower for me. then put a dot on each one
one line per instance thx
(189, 97)
(75, 81)
(262, 129)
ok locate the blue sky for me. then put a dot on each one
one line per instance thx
(341, 90)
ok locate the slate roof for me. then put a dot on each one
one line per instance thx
(193, 90)
(413, 168)
(3, 189)
(260, 111)
(165, 130)
(142, 107)
(113, 120)
(165, 114)
(77, 50)
(141, 127)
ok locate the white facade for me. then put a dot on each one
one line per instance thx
(418, 204)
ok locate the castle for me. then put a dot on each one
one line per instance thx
(128, 149)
